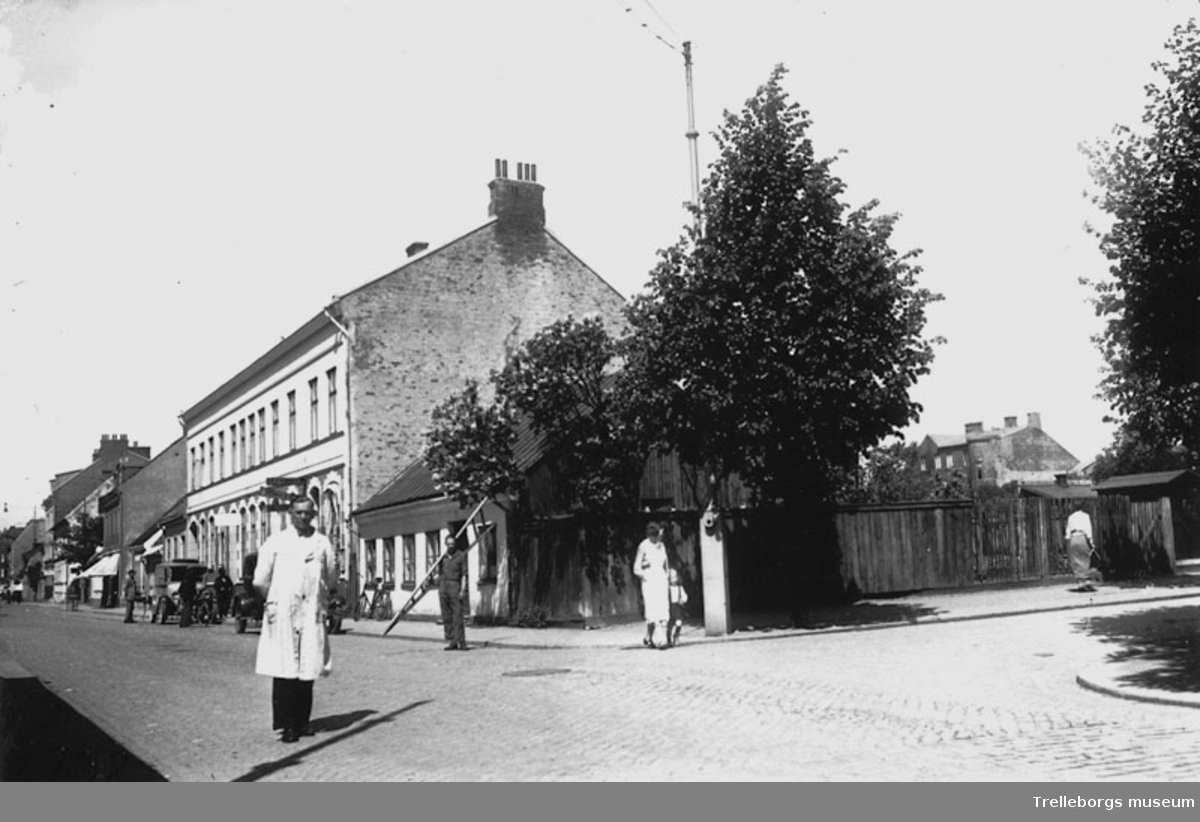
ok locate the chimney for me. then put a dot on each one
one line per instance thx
(1010, 422)
(1035, 420)
(974, 428)
(517, 202)
(415, 248)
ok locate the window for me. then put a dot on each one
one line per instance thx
(192, 460)
(291, 399)
(212, 460)
(389, 559)
(275, 428)
(409, 547)
(266, 521)
(488, 560)
(331, 381)
(202, 465)
(433, 549)
(221, 443)
(253, 529)
(233, 452)
(242, 465)
(252, 456)
(369, 559)
(262, 435)
(312, 410)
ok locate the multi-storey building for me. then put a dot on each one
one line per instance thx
(1014, 453)
(339, 407)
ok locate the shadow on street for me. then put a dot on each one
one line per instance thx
(1164, 637)
(43, 739)
(326, 723)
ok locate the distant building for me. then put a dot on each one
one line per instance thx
(74, 494)
(1022, 454)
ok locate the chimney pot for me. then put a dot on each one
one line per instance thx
(517, 202)
(1035, 419)
(974, 428)
(1010, 422)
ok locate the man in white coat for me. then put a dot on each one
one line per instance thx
(295, 571)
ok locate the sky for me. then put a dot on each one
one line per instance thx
(182, 184)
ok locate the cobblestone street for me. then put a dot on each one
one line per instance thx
(985, 700)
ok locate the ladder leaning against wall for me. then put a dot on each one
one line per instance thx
(475, 523)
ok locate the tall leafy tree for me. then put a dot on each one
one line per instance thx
(1149, 184)
(84, 535)
(561, 383)
(782, 340)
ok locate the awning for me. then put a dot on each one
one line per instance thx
(104, 567)
(154, 544)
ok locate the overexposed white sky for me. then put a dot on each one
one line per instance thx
(184, 183)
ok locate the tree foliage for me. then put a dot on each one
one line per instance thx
(560, 383)
(1128, 454)
(470, 451)
(1150, 186)
(781, 341)
(83, 537)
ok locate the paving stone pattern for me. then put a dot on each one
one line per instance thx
(984, 700)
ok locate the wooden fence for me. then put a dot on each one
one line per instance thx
(953, 543)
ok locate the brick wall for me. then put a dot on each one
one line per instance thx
(455, 313)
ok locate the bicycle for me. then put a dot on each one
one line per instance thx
(376, 606)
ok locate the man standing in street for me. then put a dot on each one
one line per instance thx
(224, 591)
(296, 568)
(452, 591)
(130, 594)
(187, 597)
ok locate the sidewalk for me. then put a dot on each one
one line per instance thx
(923, 607)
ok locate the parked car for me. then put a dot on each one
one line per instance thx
(12, 592)
(167, 578)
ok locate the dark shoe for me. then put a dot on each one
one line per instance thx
(290, 735)
(450, 647)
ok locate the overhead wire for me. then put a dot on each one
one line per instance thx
(653, 30)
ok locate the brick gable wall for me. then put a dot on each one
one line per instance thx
(421, 331)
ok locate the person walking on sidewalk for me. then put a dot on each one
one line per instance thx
(1080, 549)
(187, 597)
(452, 594)
(296, 568)
(652, 568)
(74, 594)
(129, 593)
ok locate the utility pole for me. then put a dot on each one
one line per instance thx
(692, 135)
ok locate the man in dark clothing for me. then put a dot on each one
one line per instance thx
(452, 594)
(187, 598)
(130, 594)
(224, 591)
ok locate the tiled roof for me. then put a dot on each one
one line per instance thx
(1144, 480)
(1052, 490)
(416, 481)
(948, 440)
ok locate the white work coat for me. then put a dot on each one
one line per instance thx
(297, 573)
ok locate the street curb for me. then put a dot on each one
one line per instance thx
(1095, 679)
(789, 633)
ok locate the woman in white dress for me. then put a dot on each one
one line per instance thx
(653, 569)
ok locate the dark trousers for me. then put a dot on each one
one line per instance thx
(129, 610)
(291, 703)
(450, 597)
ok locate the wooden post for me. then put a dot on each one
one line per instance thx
(1168, 529)
(716, 573)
